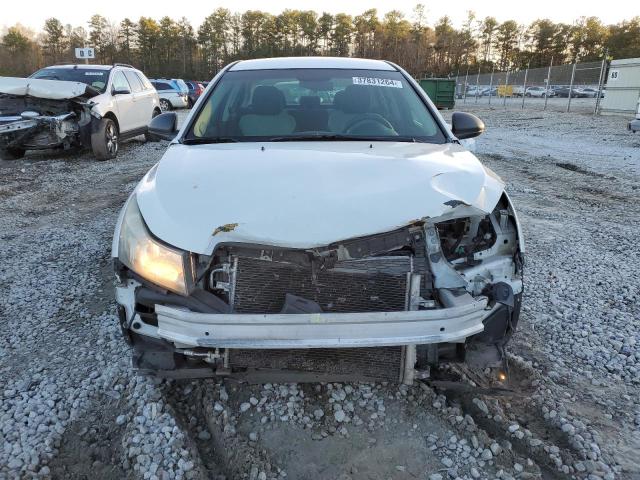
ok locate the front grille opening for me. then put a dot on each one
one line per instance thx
(368, 274)
(369, 363)
(373, 284)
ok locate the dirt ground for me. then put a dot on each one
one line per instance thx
(72, 408)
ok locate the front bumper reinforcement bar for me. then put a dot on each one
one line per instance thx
(321, 330)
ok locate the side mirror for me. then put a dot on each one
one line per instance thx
(464, 125)
(121, 91)
(164, 126)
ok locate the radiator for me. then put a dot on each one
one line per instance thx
(379, 363)
(362, 285)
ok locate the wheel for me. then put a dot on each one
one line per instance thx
(104, 142)
(11, 153)
(189, 103)
(165, 105)
(147, 136)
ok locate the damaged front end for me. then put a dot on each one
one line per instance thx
(373, 307)
(33, 118)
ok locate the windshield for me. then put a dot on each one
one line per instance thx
(314, 104)
(92, 77)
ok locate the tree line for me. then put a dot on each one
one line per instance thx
(174, 48)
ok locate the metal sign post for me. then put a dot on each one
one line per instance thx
(524, 85)
(457, 75)
(573, 74)
(601, 82)
(506, 83)
(491, 83)
(477, 82)
(546, 91)
(466, 79)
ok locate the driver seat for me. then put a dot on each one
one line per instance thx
(349, 103)
(266, 114)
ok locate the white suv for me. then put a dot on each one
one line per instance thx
(70, 106)
(538, 92)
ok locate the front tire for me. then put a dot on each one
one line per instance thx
(165, 105)
(104, 142)
(11, 153)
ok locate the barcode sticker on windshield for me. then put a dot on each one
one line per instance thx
(377, 82)
(96, 74)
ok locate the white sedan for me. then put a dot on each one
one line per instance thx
(538, 92)
(340, 231)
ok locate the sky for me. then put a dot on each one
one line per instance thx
(33, 13)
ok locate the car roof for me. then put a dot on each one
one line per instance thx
(311, 62)
(82, 65)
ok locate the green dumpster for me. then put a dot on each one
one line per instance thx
(441, 91)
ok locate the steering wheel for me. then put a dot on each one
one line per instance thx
(368, 118)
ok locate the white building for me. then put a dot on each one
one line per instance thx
(623, 87)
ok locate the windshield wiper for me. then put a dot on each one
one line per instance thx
(208, 140)
(296, 138)
(343, 138)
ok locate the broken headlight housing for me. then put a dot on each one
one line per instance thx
(165, 266)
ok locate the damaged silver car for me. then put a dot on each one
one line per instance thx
(75, 106)
(316, 219)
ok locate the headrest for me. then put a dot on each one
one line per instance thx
(356, 99)
(338, 99)
(267, 100)
(309, 102)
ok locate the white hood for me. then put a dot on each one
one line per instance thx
(306, 194)
(52, 89)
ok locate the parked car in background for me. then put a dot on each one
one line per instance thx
(474, 91)
(171, 96)
(588, 92)
(517, 91)
(195, 90)
(72, 106)
(491, 92)
(564, 92)
(539, 92)
(180, 84)
(218, 262)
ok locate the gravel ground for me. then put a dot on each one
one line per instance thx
(71, 408)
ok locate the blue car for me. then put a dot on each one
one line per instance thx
(173, 93)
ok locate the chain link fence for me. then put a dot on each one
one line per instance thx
(573, 87)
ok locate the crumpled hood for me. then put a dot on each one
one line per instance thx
(306, 194)
(51, 89)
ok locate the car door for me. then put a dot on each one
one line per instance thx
(142, 109)
(125, 103)
(149, 96)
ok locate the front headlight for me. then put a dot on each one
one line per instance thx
(161, 264)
